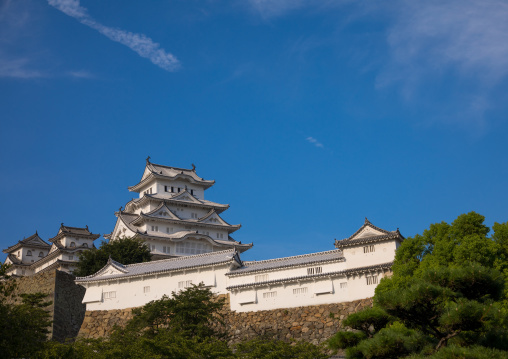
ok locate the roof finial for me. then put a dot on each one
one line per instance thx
(36, 233)
(148, 160)
(366, 220)
(86, 226)
(193, 167)
(61, 224)
(120, 209)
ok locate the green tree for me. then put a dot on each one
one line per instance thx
(269, 348)
(23, 326)
(447, 289)
(124, 250)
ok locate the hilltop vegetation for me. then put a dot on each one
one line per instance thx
(447, 297)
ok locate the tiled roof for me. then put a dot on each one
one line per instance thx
(34, 241)
(166, 265)
(378, 235)
(301, 260)
(365, 240)
(170, 199)
(167, 172)
(347, 272)
(173, 218)
(74, 232)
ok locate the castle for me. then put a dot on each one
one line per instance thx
(190, 243)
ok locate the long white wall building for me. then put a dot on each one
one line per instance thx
(350, 272)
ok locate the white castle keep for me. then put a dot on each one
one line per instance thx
(180, 226)
(172, 216)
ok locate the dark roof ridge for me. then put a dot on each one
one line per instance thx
(344, 272)
(229, 250)
(291, 257)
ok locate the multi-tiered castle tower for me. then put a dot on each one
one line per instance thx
(172, 216)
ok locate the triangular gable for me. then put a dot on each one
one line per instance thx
(213, 218)
(122, 229)
(162, 211)
(53, 248)
(368, 230)
(187, 197)
(110, 269)
(146, 172)
(34, 240)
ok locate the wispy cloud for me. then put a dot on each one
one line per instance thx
(80, 74)
(315, 142)
(141, 44)
(468, 35)
(464, 39)
(18, 68)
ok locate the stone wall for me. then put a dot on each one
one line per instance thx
(66, 310)
(311, 323)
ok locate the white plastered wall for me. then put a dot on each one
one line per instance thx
(384, 252)
(132, 293)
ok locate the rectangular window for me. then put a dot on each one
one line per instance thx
(71, 258)
(371, 279)
(368, 249)
(167, 229)
(108, 295)
(194, 215)
(179, 189)
(165, 249)
(165, 188)
(314, 270)
(153, 247)
(261, 278)
(343, 285)
(184, 284)
(172, 189)
(269, 294)
(155, 228)
(303, 290)
(146, 289)
(192, 192)
(188, 247)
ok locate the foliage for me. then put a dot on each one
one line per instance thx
(191, 312)
(24, 326)
(187, 325)
(448, 289)
(268, 348)
(124, 250)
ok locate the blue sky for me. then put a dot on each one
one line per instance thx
(310, 115)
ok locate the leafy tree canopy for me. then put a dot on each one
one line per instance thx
(124, 250)
(23, 326)
(446, 298)
(186, 325)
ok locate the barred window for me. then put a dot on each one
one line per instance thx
(270, 294)
(261, 278)
(146, 289)
(368, 249)
(189, 247)
(314, 270)
(302, 290)
(343, 285)
(184, 284)
(109, 295)
(371, 279)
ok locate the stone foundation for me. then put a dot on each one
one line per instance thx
(314, 323)
(66, 310)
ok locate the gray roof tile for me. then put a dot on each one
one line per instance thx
(301, 260)
(165, 265)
